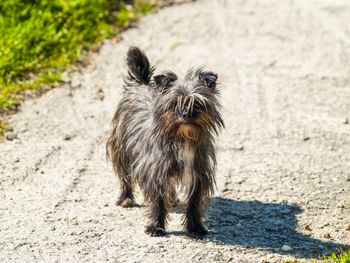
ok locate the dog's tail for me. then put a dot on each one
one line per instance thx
(140, 71)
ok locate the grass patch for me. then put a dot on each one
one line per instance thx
(3, 128)
(341, 257)
(40, 38)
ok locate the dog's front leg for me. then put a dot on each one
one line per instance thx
(157, 214)
(194, 212)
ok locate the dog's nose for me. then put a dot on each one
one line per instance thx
(186, 114)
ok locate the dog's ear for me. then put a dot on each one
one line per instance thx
(208, 78)
(164, 81)
(140, 71)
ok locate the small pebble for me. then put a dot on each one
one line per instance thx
(67, 137)
(238, 148)
(286, 248)
(100, 93)
(347, 228)
(306, 138)
(346, 121)
(11, 136)
(101, 96)
(307, 227)
(327, 235)
(66, 78)
(17, 141)
(76, 83)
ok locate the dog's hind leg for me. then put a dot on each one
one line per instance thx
(126, 198)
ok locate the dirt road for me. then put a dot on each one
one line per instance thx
(283, 171)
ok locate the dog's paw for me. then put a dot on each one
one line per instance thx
(155, 231)
(197, 233)
(125, 202)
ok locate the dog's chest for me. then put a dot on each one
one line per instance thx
(186, 155)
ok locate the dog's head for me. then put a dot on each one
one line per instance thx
(187, 109)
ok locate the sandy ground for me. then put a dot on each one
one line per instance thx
(283, 171)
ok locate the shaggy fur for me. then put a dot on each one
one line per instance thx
(162, 138)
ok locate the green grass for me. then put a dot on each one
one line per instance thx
(341, 257)
(39, 39)
(3, 128)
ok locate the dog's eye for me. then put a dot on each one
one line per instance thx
(198, 106)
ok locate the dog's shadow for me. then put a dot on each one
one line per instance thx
(268, 226)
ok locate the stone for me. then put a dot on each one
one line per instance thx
(327, 235)
(11, 136)
(286, 248)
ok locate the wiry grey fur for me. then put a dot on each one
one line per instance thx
(162, 137)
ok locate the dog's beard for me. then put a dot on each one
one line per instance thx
(195, 131)
(190, 132)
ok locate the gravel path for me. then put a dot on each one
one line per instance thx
(283, 160)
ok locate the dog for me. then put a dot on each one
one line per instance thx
(162, 139)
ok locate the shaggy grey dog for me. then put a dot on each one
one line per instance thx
(162, 138)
